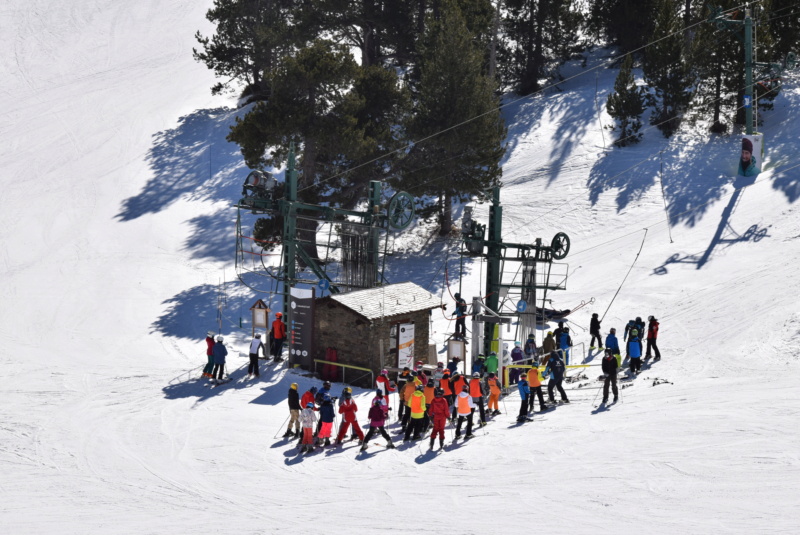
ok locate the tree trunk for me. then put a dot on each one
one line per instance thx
(493, 46)
(306, 229)
(446, 213)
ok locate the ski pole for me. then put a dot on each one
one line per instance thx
(281, 427)
(598, 393)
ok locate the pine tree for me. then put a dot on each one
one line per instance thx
(250, 38)
(665, 70)
(626, 23)
(456, 122)
(626, 105)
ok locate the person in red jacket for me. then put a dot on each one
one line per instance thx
(209, 355)
(279, 335)
(383, 383)
(348, 409)
(652, 334)
(440, 410)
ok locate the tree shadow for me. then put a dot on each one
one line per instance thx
(192, 160)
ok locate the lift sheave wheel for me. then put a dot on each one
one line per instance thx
(560, 246)
(401, 210)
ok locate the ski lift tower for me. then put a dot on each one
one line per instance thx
(540, 274)
(359, 232)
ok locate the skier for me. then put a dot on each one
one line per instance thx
(255, 346)
(447, 388)
(417, 406)
(324, 391)
(479, 366)
(516, 356)
(439, 411)
(557, 332)
(652, 335)
(610, 375)
(565, 344)
(634, 345)
(613, 344)
(453, 365)
(494, 393)
(465, 407)
(476, 392)
(408, 391)
(491, 363)
(383, 383)
(531, 353)
(460, 313)
(555, 370)
(219, 359)
(594, 330)
(430, 393)
(309, 396)
(625, 337)
(524, 392)
(402, 378)
(294, 412)
(548, 345)
(348, 409)
(384, 402)
(209, 367)
(640, 327)
(326, 415)
(308, 418)
(438, 372)
(377, 420)
(279, 334)
(457, 385)
(535, 387)
(421, 375)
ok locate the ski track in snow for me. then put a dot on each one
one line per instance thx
(117, 230)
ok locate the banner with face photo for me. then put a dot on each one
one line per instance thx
(751, 155)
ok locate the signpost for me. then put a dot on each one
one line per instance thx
(300, 326)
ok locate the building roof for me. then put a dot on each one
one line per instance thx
(388, 300)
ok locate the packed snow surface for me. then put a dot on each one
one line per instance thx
(117, 233)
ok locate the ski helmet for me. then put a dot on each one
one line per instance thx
(438, 392)
(309, 405)
(430, 383)
(278, 315)
(348, 390)
(258, 335)
(457, 295)
(379, 393)
(638, 319)
(476, 374)
(219, 338)
(405, 369)
(517, 343)
(313, 389)
(465, 388)
(491, 375)
(440, 364)
(413, 374)
(420, 387)
(294, 386)
(384, 372)
(326, 384)
(613, 330)
(210, 334)
(566, 329)
(549, 333)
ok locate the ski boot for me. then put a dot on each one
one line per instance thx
(432, 442)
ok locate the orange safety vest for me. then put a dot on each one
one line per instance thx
(475, 388)
(533, 377)
(429, 392)
(458, 384)
(493, 386)
(444, 383)
(463, 405)
(417, 405)
(409, 390)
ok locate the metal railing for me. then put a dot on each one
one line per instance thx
(345, 367)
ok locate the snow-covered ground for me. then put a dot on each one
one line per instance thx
(117, 231)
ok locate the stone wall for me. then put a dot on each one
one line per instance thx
(357, 342)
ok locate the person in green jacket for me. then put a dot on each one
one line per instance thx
(747, 163)
(491, 363)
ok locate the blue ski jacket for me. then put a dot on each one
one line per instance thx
(612, 343)
(219, 353)
(524, 389)
(326, 412)
(633, 348)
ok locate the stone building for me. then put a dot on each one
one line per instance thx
(361, 323)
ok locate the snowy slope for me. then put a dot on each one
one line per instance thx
(116, 232)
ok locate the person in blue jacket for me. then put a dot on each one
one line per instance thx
(524, 392)
(219, 359)
(626, 336)
(327, 415)
(479, 366)
(613, 344)
(460, 313)
(565, 343)
(555, 370)
(635, 348)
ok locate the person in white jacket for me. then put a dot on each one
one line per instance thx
(464, 408)
(307, 420)
(255, 345)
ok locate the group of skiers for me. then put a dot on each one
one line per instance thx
(216, 351)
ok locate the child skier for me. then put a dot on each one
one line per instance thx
(439, 411)
(417, 406)
(308, 419)
(610, 375)
(465, 407)
(294, 412)
(635, 348)
(348, 409)
(494, 394)
(524, 392)
(326, 416)
(377, 420)
(594, 330)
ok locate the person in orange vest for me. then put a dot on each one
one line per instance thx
(402, 378)
(476, 392)
(535, 386)
(418, 407)
(465, 407)
(494, 393)
(408, 391)
(447, 387)
(439, 411)
(279, 335)
(348, 409)
(458, 384)
(430, 393)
